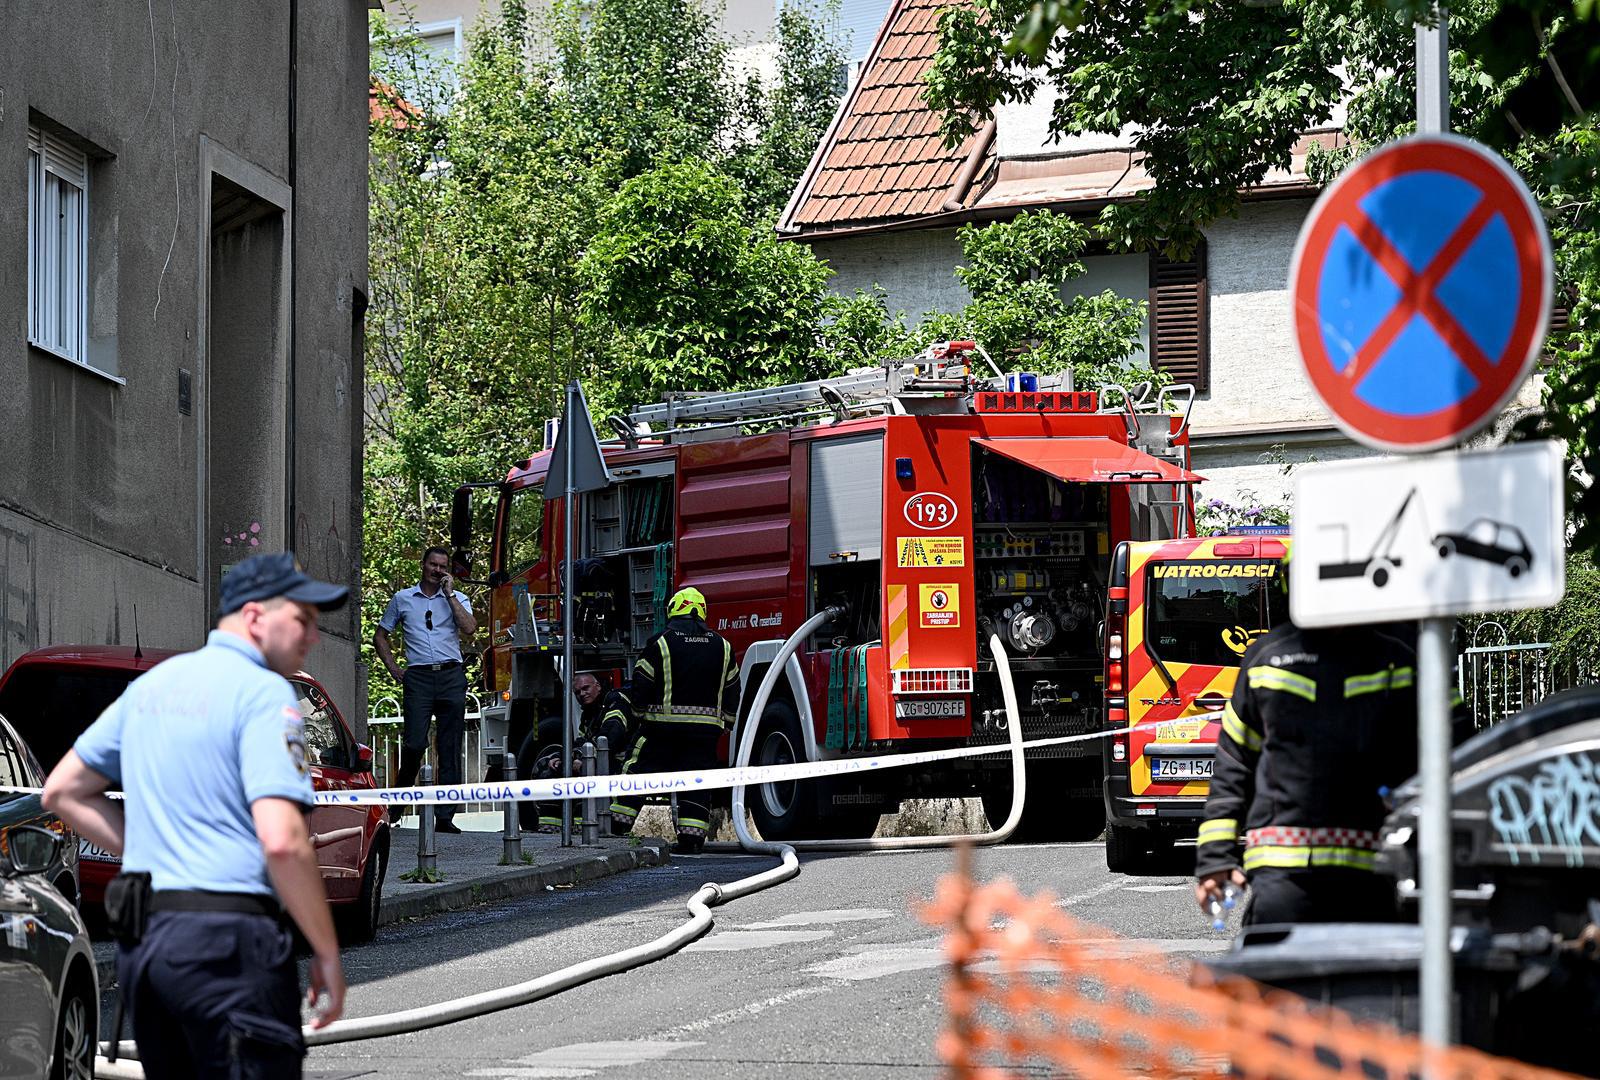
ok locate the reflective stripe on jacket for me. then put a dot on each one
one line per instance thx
(1319, 723)
(686, 675)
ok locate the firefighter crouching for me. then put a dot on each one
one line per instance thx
(685, 692)
(1321, 723)
(604, 711)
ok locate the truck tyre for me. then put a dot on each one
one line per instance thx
(782, 811)
(1124, 851)
(1056, 809)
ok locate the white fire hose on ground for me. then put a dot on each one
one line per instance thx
(700, 904)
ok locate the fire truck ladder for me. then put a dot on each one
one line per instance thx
(939, 373)
(1145, 400)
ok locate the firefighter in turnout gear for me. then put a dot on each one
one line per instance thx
(1322, 723)
(685, 693)
(604, 712)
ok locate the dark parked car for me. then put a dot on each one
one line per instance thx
(47, 977)
(20, 768)
(53, 694)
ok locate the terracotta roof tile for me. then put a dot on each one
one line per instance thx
(885, 160)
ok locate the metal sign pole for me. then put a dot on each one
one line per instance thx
(568, 597)
(1433, 663)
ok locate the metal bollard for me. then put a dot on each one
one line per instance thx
(602, 751)
(511, 851)
(427, 856)
(591, 805)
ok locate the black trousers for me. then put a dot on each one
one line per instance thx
(1319, 895)
(669, 748)
(434, 695)
(214, 994)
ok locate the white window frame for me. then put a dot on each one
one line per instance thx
(58, 257)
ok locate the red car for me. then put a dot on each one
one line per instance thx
(51, 695)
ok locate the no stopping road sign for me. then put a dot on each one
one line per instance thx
(1421, 285)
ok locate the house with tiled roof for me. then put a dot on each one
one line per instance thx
(883, 197)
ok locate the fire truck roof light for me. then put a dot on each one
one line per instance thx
(1243, 547)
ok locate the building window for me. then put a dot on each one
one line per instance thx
(58, 245)
(1180, 335)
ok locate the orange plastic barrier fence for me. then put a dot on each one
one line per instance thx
(1034, 992)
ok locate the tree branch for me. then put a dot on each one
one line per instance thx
(1555, 68)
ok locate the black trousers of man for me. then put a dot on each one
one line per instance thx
(214, 994)
(1319, 895)
(669, 748)
(438, 692)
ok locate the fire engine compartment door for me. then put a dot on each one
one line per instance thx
(846, 498)
(1090, 460)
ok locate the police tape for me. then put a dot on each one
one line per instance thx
(647, 785)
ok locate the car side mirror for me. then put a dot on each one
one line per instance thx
(31, 850)
(363, 762)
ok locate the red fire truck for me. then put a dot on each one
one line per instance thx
(933, 503)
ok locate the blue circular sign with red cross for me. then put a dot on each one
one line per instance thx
(1422, 286)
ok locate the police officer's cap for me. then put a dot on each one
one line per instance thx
(262, 577)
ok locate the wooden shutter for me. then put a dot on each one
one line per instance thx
(1179, 328)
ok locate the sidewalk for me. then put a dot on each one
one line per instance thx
(470, 867)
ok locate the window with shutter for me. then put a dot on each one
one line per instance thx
(58, 231)
(1179, 329)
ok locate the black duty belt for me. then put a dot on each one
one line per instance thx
(440, 666)
(202, 900)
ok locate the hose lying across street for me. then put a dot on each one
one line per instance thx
(711, 894)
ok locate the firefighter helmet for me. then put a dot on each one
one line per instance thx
(686, 602)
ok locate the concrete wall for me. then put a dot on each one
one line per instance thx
(104, 491)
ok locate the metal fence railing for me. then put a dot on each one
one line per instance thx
(386, 734)
(1499, 678)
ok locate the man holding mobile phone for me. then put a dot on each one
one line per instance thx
(434, 619)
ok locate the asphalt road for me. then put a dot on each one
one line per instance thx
(829, 975)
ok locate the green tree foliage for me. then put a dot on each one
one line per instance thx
(699, 297)
(1219, 91)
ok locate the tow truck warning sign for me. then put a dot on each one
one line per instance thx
(932, 551)
(940, 606)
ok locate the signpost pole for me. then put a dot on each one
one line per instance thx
(1434, 662)
(569, 517)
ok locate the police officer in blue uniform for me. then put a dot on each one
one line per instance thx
(433, 617)
(208, 749)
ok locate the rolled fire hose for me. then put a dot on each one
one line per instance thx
(700, 904)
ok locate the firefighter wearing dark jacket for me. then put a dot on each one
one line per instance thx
(1321, 723)
(685, 692)
(604, 712)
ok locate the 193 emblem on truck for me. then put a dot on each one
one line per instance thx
(931, 510)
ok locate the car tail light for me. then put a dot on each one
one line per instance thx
(1114, 664)
(1119, 747)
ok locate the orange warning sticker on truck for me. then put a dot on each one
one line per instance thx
(940, 606)
(932, 551)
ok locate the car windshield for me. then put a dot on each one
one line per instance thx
(1208, 612)
(51, 706)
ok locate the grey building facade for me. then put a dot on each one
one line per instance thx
(183, 273)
